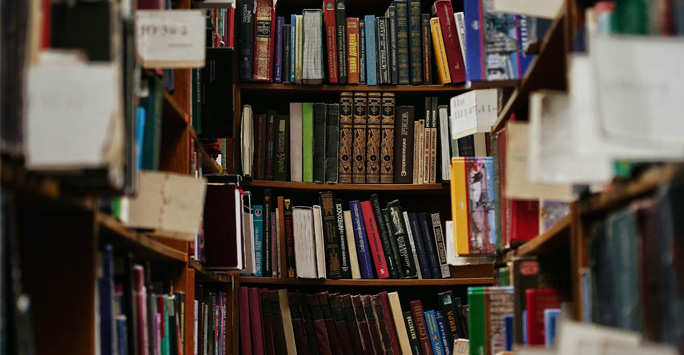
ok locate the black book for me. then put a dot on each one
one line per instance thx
(412, 333)
(426, 34)
(466, 146)
(246, 40)
(211, 330)
(403, 144)
(286, 53)
(282, 156)
(398, 228)
(392, 14)
(340, 323)
(415, 43)
(123, 273)
(403, 55)
(423, 262)
(312, 343)
(332, 142)
(384, 237)
(382, 34)
(330, 325)
(85, 25)
(345, 265)
(297, 323)
(352, 328)
(449, 311)
(429, 244)
(330, 236)
(401, 273)
(267, 247)
(271, 134)
(362, 52)
(341, 23)
(319, 118)
(462, 312)
(217, 109)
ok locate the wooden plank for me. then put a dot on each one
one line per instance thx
(205, 276)
(275, 88)
(367, 282)
(555, 238)
(285, 185)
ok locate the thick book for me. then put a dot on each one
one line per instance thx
(362, 52)
(377, 341)
(287, 322)
(330, 324)
(287, 52)
(271, 139)
(223, 227)
(441, 325)
(444, 11)
(426, 38)
(426, 268)
(307, 141)
(487, 307)
(399, 324)
(440, 244)
(362, 325)
(353, 42)
(383, 47)
(537, 301)
(217, 111)
(330, 33)
(267, 329)
(278, 50)
(351, 246)
(295, 141)
(268, 246)
(406, 258)
(332, 142)
(350, 322)
(412, 333)
(371, 51)
(362, 247)
(346, 136)
(374, 240)
(319, 141)
(433, 332)
(279, 341)
(403, 141)
(341, 324)
(448, 308)
(282, 148)
(384, 301)
(263, 40)
(415, 46)
(373, 138)
(341, 28)
(390, 249)
(319, 236)
(246, 40)
(258, 227)
(403, 54)
(305, 256)
(391, 13)
(297, 323)
(255, 321)
(421, 327)
(311, 339)
(342, 232)
(331, 238)
(312, 47)
(245, 327)
(441, 62)
(360, 117)
(260, 129)
(322, 336)
(387, 139)
(289, 238)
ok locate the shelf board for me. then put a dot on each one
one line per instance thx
(557, 236)
(206, 276)
(209, 165)
(307, 186)
(367, 282)
(141, 245)
(409, 89)
(172, 112)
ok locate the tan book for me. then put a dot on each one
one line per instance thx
(421, 152)
(427, 140)
(416, 144)
(296, 142)
(440, 52)
(399, 324)
(360, 119)
(387, 142)
(351, 245)
(433, 140)
(374, 137)
(287, 322)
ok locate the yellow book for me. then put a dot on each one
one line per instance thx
(440, 52)
(459, 205)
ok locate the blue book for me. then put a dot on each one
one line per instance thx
(473, 35)
(420, 247)
(433, 331)
(524, 326)
(429, 243)
(587, 304)
(140, 136)
(293, 46)
(122, 341)
(551, 316)
(258, 238)
(524, 36)
(371, 56)
(508, 326)
(362, 52)
(278, 55)
(106, 290)
(441, 325)
(364, 255)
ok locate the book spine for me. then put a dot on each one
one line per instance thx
(441, 248)
(374, 240)
(263, 41)
(330, 40)
(403, 56)
(260, 140)
(460, 30)
(313, 63)
(307, 141)
(259, 239)
(282, 148)
(387, 139)
(324, 343)
(271, 145)
(359, 146)
(295, 132)
(474, 42)
(297, 323)
(413, 243)
(278, 60)
(245, 328)
(341, 24)
(443, 10)
(427, 140)
(362, 52)
(382, 34)
(353, 50)
(246, 41)
(433, 332)
(375, 335)
(406, 259)
(331, 240)
(196, 102)
(445, 145)
(332, 142)
(382, 323)
(373, 133)
(362, 324)
(319, 141)
(345, 263)
(346, 137)
(441, 62)
(403, 140)
(362, 248)
(330, 326)
(371, 54)
(255, 321)
(265, 310)
(341, 324)
(427, 49)
(412, 332)
(289, 238)
(279, 341)
(268, 247)
(287, 53)
(310, 331)
(350, 320)
(433, 140)
(419, 153)
(416, 50)
(275, 254)
(293, 47)
(384, 301)
(281, 237)
(384, 234)
(299, 49)
(421, 327)
(448, 310)
(429, 244)
(392, 14)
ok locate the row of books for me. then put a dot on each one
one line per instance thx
(279, 322)
(402, 47)
(662, 18)
(211, 313)
(220, 27)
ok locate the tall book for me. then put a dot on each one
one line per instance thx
(268, 246)
(319, 236)
(441, 325)
(263, 40)
(399, 325)
(330, 324)
(406, 259)
(293, 48)
(297, 323)
(298, 49)
(444, 144)
(362, 325)
(217, 112)
(289, 238)
(371, 54)
(345, 160)
(350, 320)
(403, 140)
(282, 148)
(403, 54)
(377, 342)
(304, 242)
(389, 249)
(440, 243)
(391, 13)
(382, 323)
(281, 237)
(427, 234)
(330, 31)
(419, 259)
(271, 139)
(487, 307)
(421, 327)
(353, 41)
(419, 152)
(359, 144)
(362, 248)
(351, 246)
(341, 324)
(311, 339)
(377, 251)
(286, 317)
(441, 61)
(247, 40)
(319, 141)
(295, 141)
(387, 139)
(383, 49)
(374, 137)
(260, 130)
(362, 52)
(427, 141)
(307, 141)
(332, 142)
(341, 24)
(345, 260)
(312, 47)
(255, 320)
(443, 10)
(259, 239)
(386, 310)
(287, 52)
(324, 344)
(278, 50)
(433, 332)
(332, 246)
(415, 46)
(245, 328)
(412, 332)
(434, 139)
(426, 38)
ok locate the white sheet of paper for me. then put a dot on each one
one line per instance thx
(577, 338)
(215, 4)
(472, 112)
(537, 8)
(170, 38)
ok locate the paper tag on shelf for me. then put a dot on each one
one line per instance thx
(170, 38)
(536, 8)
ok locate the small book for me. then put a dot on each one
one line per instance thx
(258, 227)
(224, 244)
(488, 306)
(538, 301)
(345, 160)
(433, 140)
(403, 54)
(293, 48)
(247, 141)
(427, 141)
(444, 143)
(278, 50)
(448, 309)
(441, 326)
(299, 47)
(353, 50)
(269, 347)
(359, 143)
(391, 13)
(287, 53)
(433, 333)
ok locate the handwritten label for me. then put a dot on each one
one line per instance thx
(170, 38)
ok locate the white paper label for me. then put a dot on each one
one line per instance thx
(170, 38)
(537, 8)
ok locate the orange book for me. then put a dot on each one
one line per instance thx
(263, 40)
(459, 205)
(353, 49)
(440, 52)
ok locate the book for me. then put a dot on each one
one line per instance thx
(406, 260)
(427, 234)
(304, 242)
(282, 148)
(383, 48)
(312, 44)
(399, 325)
(321, 331)
(307, 141)
(393, 338)
(371, 54)
(387, 139)
(382, 324)
(362, 324)
(297, 323)
(345, 236)
(351, 244)
(362, 248)
(433, 331)
(341, 324)
(353, 40)
(319, 141)
(330, 325)
(341, 29)
(449, 312)
(263, 40)
(403, 42)
(412, 333)
(299, 47)
(254, 321)
(332, 142)
(377, 342)
(537, 302)
(460, 30)
(287, 53)
(217, 112)
(445, 152)
(446, 345)
(289, 238)
(246, 40)
(426, 268)
(286, 316)
(362, 52)
(377, 252)
(403, 140)
(311, 339)
(525, 276)
(487, 307)
(427, 141)
(439, 243)
(391, 13)
(441, 62)
(280, 345)
(373, 138)
(350, 320)
(551, 319)
(426, 37)
(411, 239)
(444, 11)
(345, 160)
(415, 46)
(319, 236)
(473, 112)
(422, 332)
(331, 239)
(419, 152)
(284, 262)
(390, 249)
(223, 227)
(268, 228)
(359, 143)
(260, 130)
(296, 123)
(433, 164)
(278, 50)
(258, 220)
(295, 59)
(271, 139)
(106, 294)
(329, 24)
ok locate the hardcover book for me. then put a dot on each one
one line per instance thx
(287, 53)
(538, 301)
(374, 137)
(426, 37)
(350, 320)
(246, 40)
(443, 74)
(217, 111)
(296, 121)
(346, 138)
(373, 327)
(353, 40)
(391, 13)
(332, 142)
(299, 47)
(416, 49)
(390, 249)
(263, 40)
(403, 56)
(330, 28)
(374, 241)
(288, 238)
(383, 45)
(439, 242)
(403, 140)
(362, 325)
(392, 243)
(260, 131)
(321, 331)
(433, 332)
(427, 233)
(278, 51)
(341, 24)
(444, 11)
(421, 327)
(342, 232)
(319, 141)
(362, 52)
(362, 248)
(421, 248)
(311, 339)
(406, 259)
(307, 141)
(371, 54)
(412, 333)
(487, 307)
(297, 323)
(312, 47)
(304, 242)
(341, 324)
(399, 325)
(359, 145)
(332, 246)
(271, 138)
(384, 301)
(330, 326)
(387, 140)
(282, 148)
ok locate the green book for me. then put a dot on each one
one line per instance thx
(307, 142)
(282, 148)
(487, 307)
(631, 17)
(504, 276)
(477, 325)
(153, 124)
(196, 101)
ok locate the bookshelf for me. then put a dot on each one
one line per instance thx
(304, 186)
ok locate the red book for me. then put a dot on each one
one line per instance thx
(222, 226)
(259, 146)
(151, 5)
(421, 327)
(389, 322)
(245, 329)
(281, 237)
(141, 307)
(47, 24)
(378, 255)
(353, 49)
(255, 321)
(230, 13)
(264, 30)
(443, 10)
(537, 302)
(523, 220)
(330, 39)
(265, 302)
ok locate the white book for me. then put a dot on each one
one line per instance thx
(351, 245)
(450, 243)
(296, 141)
(248, 233)
(444, 142)
(298, 50)
(312, 55)
(247, 140)
(412, 243)
(318, 237)
(399, 324)
(460, 30)
(305, 252)
(473, 112)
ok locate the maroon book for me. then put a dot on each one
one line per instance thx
(255, 321)
(298, 324)
(330, 326)
(266, 321)
(362, 325)
(376, 336)
(350, 320)
(311, 342)
(389, 322)
(245, 329)
(222, 240)
(342, 331)
(280, 346)
(319, 325)
(421, 327)
(260, 130)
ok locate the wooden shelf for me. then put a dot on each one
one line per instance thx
(209, 165)
(142, 246)
(367, 282)
(172, 112)
(557, 237)
(206, 276)
(408, 89)
(307, 186)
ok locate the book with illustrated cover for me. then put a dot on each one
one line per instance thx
(373, 138)
(387, 139)
(353, 50)
(360, 119)
(345, 160)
